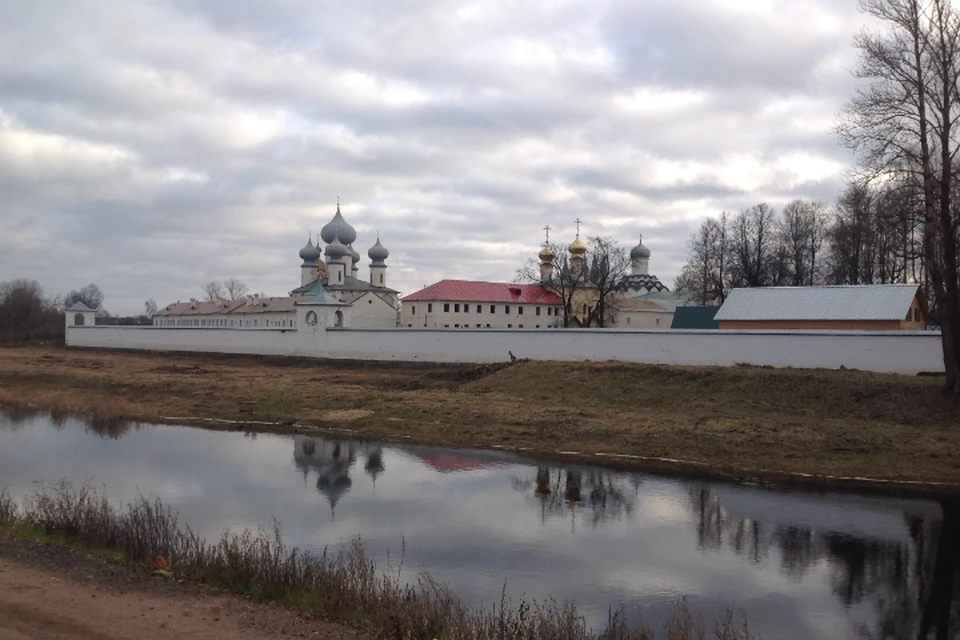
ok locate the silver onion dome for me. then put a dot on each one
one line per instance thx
(309, 254)
(639, 252)
(338, 229)
(354, 254)
(336, 250)
(378, 253)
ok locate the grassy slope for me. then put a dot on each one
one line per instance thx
(822, 422)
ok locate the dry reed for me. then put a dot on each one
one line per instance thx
(346, 586)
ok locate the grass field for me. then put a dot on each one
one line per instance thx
(740, 420)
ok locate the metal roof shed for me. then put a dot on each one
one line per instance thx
(878, 306)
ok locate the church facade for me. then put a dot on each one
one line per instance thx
(331, 287)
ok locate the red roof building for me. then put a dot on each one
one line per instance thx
(465, 304)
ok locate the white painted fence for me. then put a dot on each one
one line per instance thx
(882, 351)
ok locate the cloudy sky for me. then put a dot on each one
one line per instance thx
(152, 145)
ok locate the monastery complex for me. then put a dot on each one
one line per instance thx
(330, 278)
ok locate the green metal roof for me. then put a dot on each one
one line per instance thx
(695, 318)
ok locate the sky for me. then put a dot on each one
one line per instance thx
(149, 146)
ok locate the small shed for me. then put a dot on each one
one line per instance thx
(883, 307)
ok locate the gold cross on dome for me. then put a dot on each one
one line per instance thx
(578, 226)
(547, 229)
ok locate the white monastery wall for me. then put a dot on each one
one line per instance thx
(881, 351)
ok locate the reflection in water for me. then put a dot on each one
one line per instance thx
(598, 495)
(905, 570)
(802, 564)
(332, 460)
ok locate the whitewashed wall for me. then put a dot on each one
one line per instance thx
(893, 352)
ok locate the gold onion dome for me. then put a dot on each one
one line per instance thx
(577, 248)
(546, 254)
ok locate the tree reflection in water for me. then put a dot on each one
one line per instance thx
(910, 584)
(597, 494)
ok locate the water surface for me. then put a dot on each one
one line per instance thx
(801, 564)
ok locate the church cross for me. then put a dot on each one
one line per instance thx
(578, 226)
(547, 229)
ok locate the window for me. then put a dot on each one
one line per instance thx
(446, 326)
(628, 321)
(381, 278)
(479, 309)
(538, 310)
(446, 307)
(456, 326)
(493, 308)
(658, 321)
(916, 315)
(488, 326)
(456, 308)
(509, 326)
(466, 308)
(413, 310)
(430, 308)
(520, 325)
(520, 310)
(538, 326)
(506, 308)
(478, 325)
(78, 319)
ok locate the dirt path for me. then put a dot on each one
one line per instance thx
(48, 592)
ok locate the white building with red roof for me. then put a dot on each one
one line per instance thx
(465, 304)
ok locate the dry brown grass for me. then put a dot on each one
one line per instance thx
(737, 420)
(347, 587)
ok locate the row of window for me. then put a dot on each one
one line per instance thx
(219, 322)
(493, 309)
(480, 326)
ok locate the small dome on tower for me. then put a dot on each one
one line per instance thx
(639, 252)
(336, 250)
(309, 254)
(546, 254)
(577, 248)
(338, 228)
(354, 254)
(378, 253)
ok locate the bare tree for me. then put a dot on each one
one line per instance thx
(704, 275)
(26, 314)
(90, 295)
(608, 265)
(564, 282)
(751, 246)
(802, 230)
(903, 123)
(235, 288)
(214, 291)
(150, 307)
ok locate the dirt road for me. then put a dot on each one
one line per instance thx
(50, 593)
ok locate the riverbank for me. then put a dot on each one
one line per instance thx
(742, 421)
(48, 591)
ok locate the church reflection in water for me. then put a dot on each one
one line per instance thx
(894, 564)
(332, 460)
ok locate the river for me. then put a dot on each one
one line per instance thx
(799, 563)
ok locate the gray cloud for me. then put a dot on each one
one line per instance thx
(152, 145)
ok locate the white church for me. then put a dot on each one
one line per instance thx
(331, 292)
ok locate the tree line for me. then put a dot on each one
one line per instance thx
(872, 235)
(28, 314)
(899, 220)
